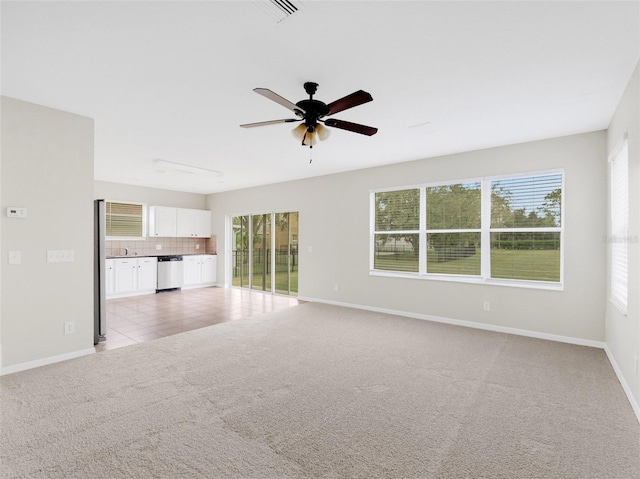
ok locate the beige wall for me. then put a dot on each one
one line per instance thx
(150, 196)
(334, 222)
(623, 332)
(47, 167)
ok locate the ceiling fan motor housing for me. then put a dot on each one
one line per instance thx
(314, 110)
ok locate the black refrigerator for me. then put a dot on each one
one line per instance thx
(99, 277)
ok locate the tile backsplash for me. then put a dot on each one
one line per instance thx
(169, 246)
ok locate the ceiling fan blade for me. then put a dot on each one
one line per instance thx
(270, 122)
(356, 98)
(265, 92)
(355, 127)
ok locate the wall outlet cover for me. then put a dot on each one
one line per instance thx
(15, 257)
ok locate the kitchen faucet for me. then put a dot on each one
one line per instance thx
(126, 252)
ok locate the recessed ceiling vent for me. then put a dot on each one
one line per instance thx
(279, 9)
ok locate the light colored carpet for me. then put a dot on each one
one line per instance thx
(321, 391)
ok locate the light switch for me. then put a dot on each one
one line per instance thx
(60, 256)
(15, 257)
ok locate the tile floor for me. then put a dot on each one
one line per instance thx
(143, 318)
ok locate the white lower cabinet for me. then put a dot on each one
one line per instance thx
(110, 276)
(132, 276)
(200, 270)
(209, 268)
(192, 269)
(147, 274)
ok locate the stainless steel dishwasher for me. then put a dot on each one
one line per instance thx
(170, 272)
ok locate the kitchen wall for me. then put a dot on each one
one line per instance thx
(334, 238)
(623, 331)
(105, 190)
(155, 197)
(47, 167)
(168, 246)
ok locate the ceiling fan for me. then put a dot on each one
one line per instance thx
(312, 112)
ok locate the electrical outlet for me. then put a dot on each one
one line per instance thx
(486, 306)
(15, 257)
(69, 327)
(158, 247)
(197, 246)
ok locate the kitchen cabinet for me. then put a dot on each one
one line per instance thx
(193, 223)
(134, 276)
(169, 222)
(110, 276)
(162, 221)
(147, 280)
(192, 270)
(209, 269)
(199, 270)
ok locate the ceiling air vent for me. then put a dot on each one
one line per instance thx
(279, 9)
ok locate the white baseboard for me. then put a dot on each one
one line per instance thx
(44, 361)
(627, 390)
(468, 324)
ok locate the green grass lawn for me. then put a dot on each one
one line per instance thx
(282, 285)
(534, 265)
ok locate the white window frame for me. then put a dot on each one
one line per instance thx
(619, 225)
(485, 236)
(421, 238)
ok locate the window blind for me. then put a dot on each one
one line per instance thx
(396, 226)
(526, 227)
(124, 219)
(502, 228)
(619, 227)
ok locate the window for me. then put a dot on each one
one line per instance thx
(453, 228)
(619, 190)
(396, 230)
(125, 220)
(526, 227)
(501, 230)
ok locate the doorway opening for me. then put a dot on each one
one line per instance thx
(265, 252)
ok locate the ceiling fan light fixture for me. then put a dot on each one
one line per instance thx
(323, 133)
(310, 138)
(299, 131)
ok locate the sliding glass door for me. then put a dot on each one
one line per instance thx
(240, 259)
(265, 252)
(286, 253)
(261, 261)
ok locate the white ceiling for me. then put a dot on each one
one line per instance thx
(173, 80)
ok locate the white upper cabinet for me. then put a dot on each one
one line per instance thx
(193, 223)
(169, 222)
(162, 221)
